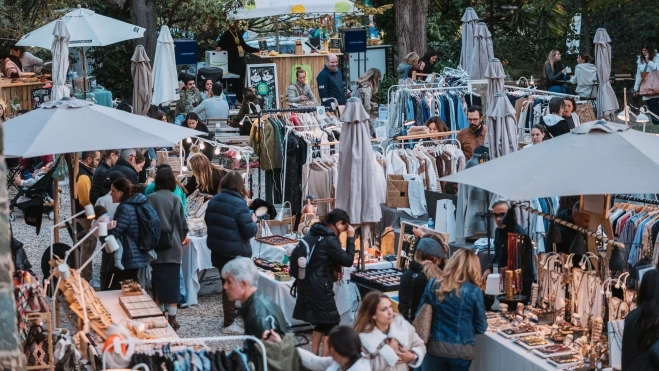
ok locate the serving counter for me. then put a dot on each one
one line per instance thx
(288, 63)
(23, 90)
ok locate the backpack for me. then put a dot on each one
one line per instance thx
(149, 225)
(301, 250)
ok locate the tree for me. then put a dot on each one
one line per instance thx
(143, 13)
(411, 16)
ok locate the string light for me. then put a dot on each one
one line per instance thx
(189, 140)
(237, 155)
(184, 168)
(217, 150)
(201, 145)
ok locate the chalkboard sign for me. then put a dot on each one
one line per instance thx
(39, 97)
(263, 78)
(263, 45)
(335, 45)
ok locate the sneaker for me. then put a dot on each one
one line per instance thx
(233, 329)
(96, 283)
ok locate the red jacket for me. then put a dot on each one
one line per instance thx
(25, 162)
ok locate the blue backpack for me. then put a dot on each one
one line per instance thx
(149, 224)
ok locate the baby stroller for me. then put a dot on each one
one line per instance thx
(34, 195)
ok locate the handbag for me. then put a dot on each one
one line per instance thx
(423, 321)
(649, 82)
(36, 347)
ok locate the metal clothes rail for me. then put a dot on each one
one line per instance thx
(635, 199)
(542, 92)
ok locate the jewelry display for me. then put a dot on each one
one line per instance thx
(508, 288)
(532, 342)
(596, 332)
(554, 350)
(535, 288)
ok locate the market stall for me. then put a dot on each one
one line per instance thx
(25, 93)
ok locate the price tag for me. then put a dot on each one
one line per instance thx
(321, 112)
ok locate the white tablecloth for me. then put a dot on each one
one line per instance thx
(196, 258)
(496, 353)
(269, 252)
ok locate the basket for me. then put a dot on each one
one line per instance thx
(397, 196)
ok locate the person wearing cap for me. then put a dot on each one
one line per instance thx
(429, 258)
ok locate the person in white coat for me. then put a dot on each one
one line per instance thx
(388, 340)
(648, 61)
(585, 77)
(345, 353)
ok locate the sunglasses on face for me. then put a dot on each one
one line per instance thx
(499, 215)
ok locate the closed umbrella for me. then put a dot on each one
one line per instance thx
(496, 79)
(469, 24)
(60, 51)
(140, 68)
(607, 103)
(165, 81)
(483, 52)
(502, 126)
(76, 125)
(598, 157)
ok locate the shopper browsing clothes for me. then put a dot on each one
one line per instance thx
(554, 122)
(474, 135)
(458, 314)
(315, 302)
(388, 340)
(648, 61)
(569, 114)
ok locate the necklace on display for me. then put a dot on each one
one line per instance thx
(576, 288)
(593, 291)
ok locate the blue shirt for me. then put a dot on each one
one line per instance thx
(330, 85)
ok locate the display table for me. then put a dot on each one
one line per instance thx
(103, 97)
(196, 258)
(23, 90)
(269, 252)
(496, 353)
(286, 65)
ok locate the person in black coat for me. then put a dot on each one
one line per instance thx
(192, 121)
(641, 330)
(315, 294)
(429, 256)
(230, 226)
(108, 160)
(232, 41)
(127, 232)
(126, 165)
(554, 122)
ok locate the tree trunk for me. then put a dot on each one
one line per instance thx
(585, 27)
(11, 356)
(143, 13)
(411, 26)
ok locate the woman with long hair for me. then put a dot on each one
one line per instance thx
(206, 177)
(642, 326)
(554, 72)
(367, 87)
(127, 232)
(648, 61)
(207, 92)
(179, 190)
(230, 227)
(429, 59)
(3, 113)
(458, 313)
(174, 229)
(247, 107)
(345, 353)
(585, 77)
(192, 121)
(409, 64)
(391, 343)
(436, 125)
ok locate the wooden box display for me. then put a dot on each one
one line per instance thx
(140, 306)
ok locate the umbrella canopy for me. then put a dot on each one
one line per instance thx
(358, 190)
(501, 126)
(86, 29)
(75, 125)
(269, 8)
(496, 79)
(60, 52)
(597, 157)
(469, 25)
(140, 68)
(607, 103)
(165, 81)
(482, 52)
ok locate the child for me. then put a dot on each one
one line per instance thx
(102, 216)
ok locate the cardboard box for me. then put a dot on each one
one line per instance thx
(218, 59)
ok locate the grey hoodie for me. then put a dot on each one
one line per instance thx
(555, 125)
(400, 70)
(585, 76)
(641, 66)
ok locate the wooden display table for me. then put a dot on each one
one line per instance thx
(21, 89)
(286, 65)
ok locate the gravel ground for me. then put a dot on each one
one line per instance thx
(203, 320)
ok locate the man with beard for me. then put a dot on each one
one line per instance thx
(232, 41)
(330, 82)
(473, 136)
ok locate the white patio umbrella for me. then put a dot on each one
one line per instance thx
(607, 104)
(165, 81)
(483, 52)
(469, 25)
(597, 157)
(496, 79)
(140, 69)
(501, 126)
(74, 125)
(269, 8)
(60, 51)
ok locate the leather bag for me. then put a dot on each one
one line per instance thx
(649, 82)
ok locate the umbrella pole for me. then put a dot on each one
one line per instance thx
(73, 184)
(277, 32)
(84, 84)
(624, 92)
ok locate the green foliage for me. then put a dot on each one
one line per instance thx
(385, 84)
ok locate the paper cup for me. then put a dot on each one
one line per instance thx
(102, 229)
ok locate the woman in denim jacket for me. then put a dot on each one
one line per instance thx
(458, 314)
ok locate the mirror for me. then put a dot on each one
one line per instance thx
(407, 239)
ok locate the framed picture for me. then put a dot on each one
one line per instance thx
(407, 240)
(263, 78)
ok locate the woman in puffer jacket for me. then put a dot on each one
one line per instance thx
(127, 232)
(648, 61)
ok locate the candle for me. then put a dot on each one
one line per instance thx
(102, 229)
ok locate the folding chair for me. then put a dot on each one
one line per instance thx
(13, 169)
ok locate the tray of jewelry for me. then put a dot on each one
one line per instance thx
(520, 331)
(492, 317)
(565, 362)
(384, 280)
(271, 265)
(276, 240)
(532, 342)
(554, 350)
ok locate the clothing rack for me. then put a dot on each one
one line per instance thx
(425, 136)
(635, 199)
(201, 339)
(541, 92)
(595, 235)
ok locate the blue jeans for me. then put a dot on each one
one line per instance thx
(558, 89)
(434, 363)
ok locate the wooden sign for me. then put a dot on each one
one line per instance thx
(263, 47)
(595, 205)
(263, 78)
